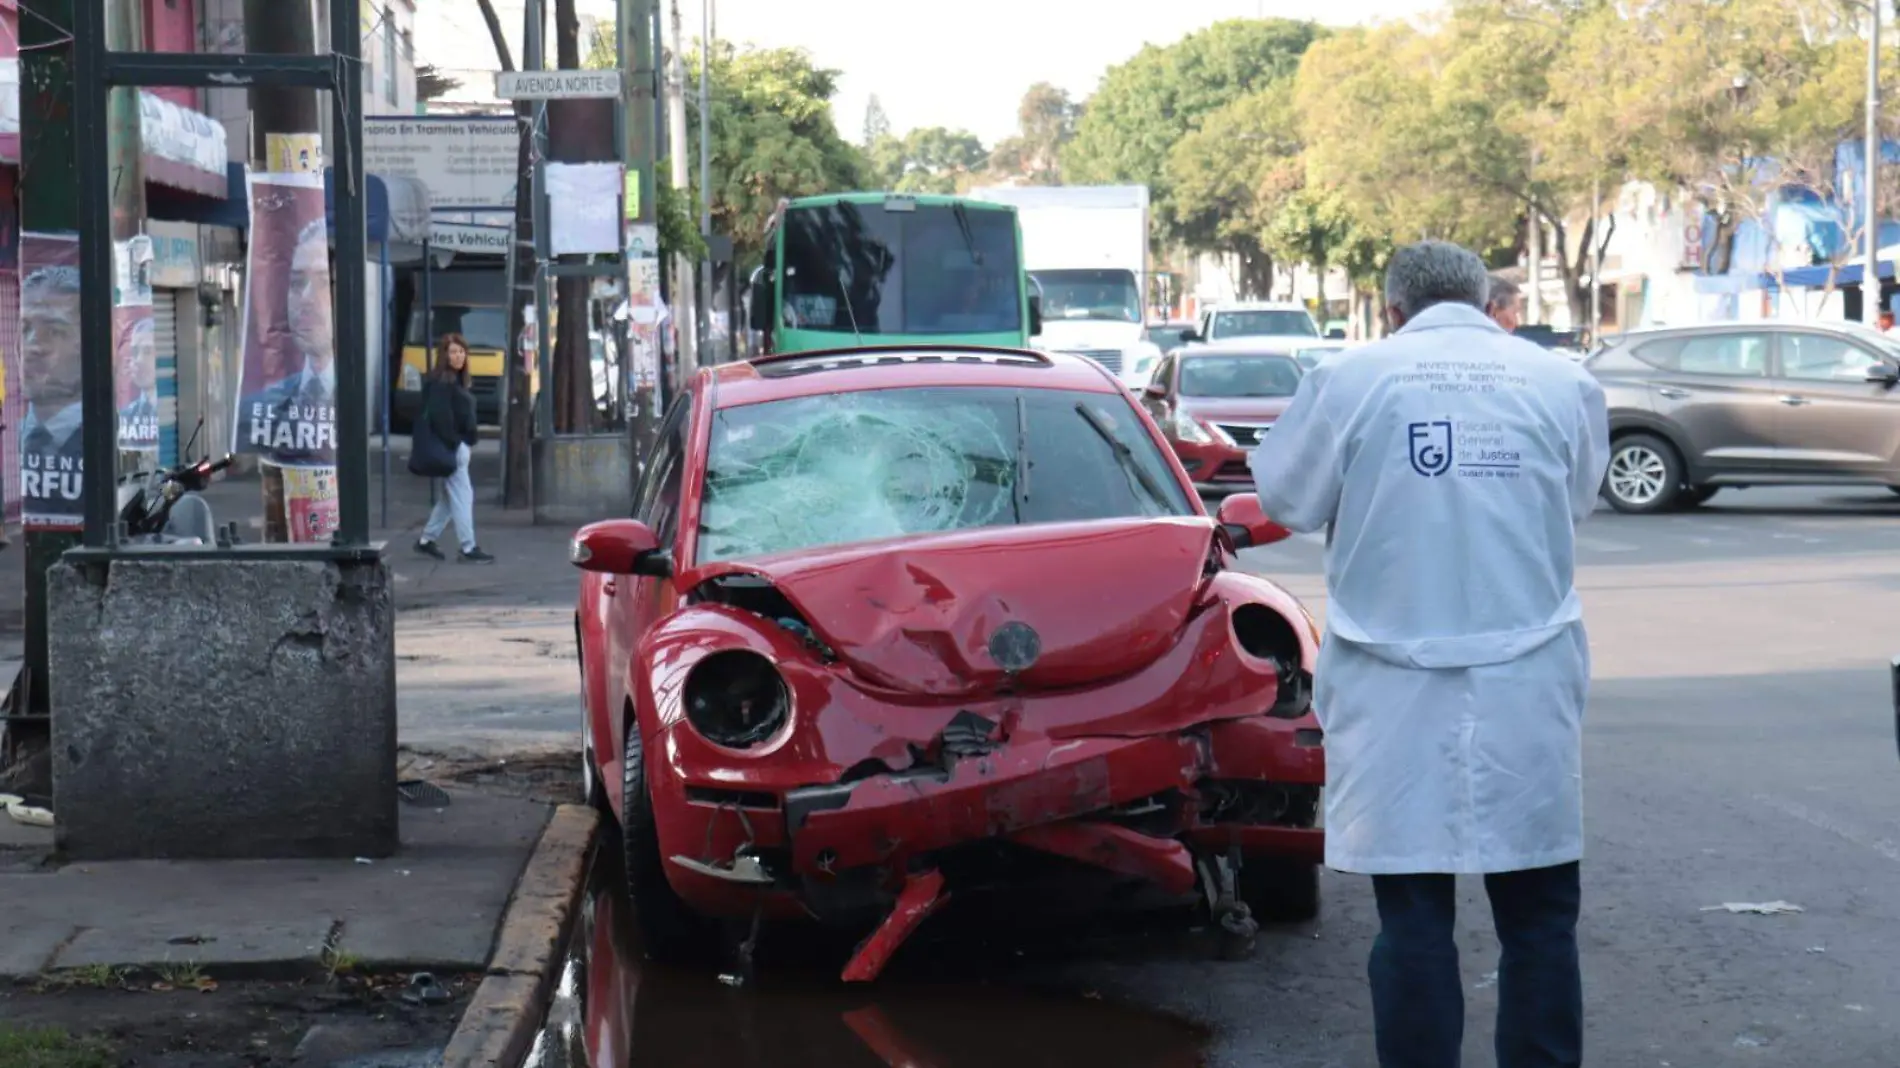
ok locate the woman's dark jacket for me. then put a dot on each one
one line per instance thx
(448, 420)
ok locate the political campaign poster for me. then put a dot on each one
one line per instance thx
(286, 407)
(52, 449)
(135, 347)
(311, 503)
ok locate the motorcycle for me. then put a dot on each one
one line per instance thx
(163, 507)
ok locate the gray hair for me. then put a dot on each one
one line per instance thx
(1502, 291)
(1434, 272)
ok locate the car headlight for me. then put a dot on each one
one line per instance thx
(736, 699)
(1194, 432)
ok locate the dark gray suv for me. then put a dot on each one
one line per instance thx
(1695, 409)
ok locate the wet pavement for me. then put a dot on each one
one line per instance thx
(947, 1002)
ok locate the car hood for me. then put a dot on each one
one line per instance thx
(1236, 409)
(920, 615)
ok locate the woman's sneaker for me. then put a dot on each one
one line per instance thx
(477, 556)
(429, 548)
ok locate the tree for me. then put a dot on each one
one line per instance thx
(1311, 227)
(877, 125)
(772, 137)
(603, 51)
(928, 160)
(1148, 103)
(1738, 104)
(1230, 177)
(1045, 124)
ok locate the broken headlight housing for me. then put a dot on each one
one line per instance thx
(1267, 635)
(736, 699)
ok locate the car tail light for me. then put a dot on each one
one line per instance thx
(736, 699)
(1267, 635)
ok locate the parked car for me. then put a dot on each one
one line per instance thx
(888, 620)
(1694, 410)
(1214, 402)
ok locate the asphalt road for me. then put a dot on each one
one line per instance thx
(1740, 748)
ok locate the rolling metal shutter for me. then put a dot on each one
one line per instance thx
(165, 331)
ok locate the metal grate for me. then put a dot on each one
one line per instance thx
(1243, 433)
(1109, 358)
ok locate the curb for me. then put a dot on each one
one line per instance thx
(498, 1028)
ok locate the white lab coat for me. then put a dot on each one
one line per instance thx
(1452, 463)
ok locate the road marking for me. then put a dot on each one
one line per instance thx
(1814, 818)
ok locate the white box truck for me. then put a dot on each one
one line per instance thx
(1086, 248)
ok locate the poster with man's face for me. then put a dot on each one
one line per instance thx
(51, 446)
(286, 404)
(135, 376)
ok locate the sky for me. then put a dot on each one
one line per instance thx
(969, 68)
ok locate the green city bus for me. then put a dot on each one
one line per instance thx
(892, 269)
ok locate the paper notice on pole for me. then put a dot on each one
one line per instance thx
(583, 208)
(310, 499)
(288, 153)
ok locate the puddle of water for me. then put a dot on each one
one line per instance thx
(612, 1009)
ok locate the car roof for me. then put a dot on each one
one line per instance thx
(784, 376)
(1262, 305)
(1826, 326)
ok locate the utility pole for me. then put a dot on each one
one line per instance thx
(284, 122)
(1870, 181)
(1534, 262)
(518, 418)
(685, 295)
(640, 89)
(125, 32)
(705, 170)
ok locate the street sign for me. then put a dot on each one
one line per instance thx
(557, 84)
(463, 237)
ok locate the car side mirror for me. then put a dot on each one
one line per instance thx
(1886, 374)
(760, 316)
(1154, 389)
(1035, 315)
(1241, 517)
(619, 547)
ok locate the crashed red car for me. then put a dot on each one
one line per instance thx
(886, 618)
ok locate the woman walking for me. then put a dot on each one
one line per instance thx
(439, 449)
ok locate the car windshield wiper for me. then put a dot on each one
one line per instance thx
(1124, 455)
(1019, 495)
(969, 235)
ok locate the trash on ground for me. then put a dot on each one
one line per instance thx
(1764, 908)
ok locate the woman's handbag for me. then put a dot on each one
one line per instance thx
(429, 455)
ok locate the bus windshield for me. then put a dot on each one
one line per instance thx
(1089, 294)
(937, 269)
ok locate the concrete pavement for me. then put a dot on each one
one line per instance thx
(436, 904)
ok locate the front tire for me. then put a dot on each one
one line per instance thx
(669, 931)
(1644, 476)
(1279, 889)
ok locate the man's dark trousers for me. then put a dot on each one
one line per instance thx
(1418, 1000)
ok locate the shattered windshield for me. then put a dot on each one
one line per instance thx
(1099, 295)
(865, 269)
(849, 467)
(1239, 376)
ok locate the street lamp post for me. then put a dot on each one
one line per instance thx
(1870, 214)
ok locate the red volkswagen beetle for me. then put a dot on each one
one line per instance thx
(887, 621)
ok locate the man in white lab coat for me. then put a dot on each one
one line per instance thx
(1450, 464)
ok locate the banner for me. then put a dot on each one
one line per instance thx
(52, 449)
(310, 500)
(135, 347)
(286, 410)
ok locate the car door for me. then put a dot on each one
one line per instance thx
(1714, 390)
(638, 601)
(1833, 421)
